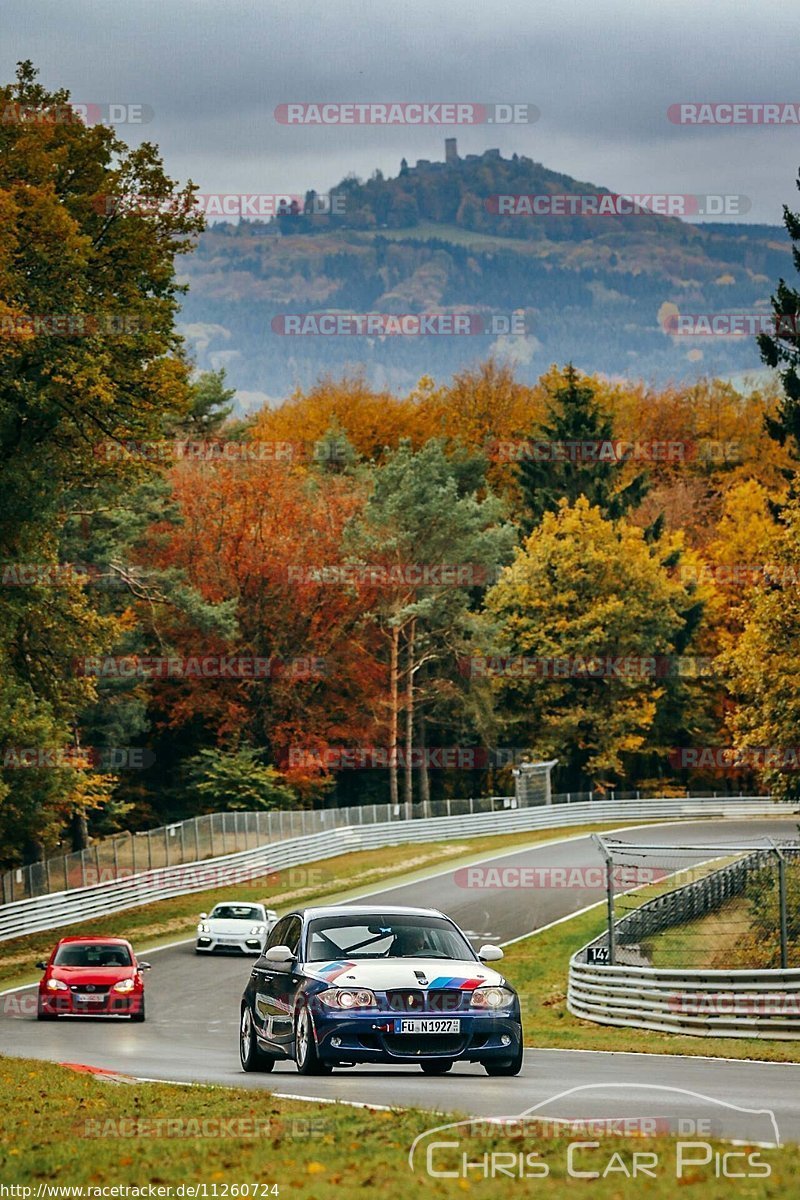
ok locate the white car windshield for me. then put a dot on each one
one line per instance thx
(384, 936)
(237, 912)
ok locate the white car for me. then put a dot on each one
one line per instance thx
(235, 925)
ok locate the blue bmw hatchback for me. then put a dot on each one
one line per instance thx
(351, 984)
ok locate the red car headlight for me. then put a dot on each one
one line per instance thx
(56, 985)
(346, 998)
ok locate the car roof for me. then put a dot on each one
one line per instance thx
(394, 910)
(94, 937)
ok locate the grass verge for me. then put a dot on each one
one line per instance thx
(67, 1129)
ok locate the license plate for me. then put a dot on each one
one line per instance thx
(86, 999)
(431, 1025)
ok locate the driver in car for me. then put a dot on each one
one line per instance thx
(409, 943)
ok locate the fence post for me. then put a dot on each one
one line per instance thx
(196, 839)
(612, 939)
(783, 909)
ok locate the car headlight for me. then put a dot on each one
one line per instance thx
(258, 929)
(491, 997)
(124, 985)
(348, 998)
(204, 927)
(56, 985)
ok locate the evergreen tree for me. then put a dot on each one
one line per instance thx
(781, 350)
(577, 458)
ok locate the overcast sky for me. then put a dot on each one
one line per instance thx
(602, 73)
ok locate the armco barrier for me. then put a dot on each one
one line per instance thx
(82, 904)
(759, 1004)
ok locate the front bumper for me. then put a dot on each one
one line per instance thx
(374, 1037)
(110, 1004)
(209, 943)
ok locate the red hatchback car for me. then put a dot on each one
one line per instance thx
(92, 977)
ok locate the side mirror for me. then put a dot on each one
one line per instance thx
(280, 955)
(203, 916)
(490, 954)
(41, 966)
(143, 966)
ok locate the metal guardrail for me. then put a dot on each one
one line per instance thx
(757, 1003)
(761, 1003)
(129, 890)
(216, 834)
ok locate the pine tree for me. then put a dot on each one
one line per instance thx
(577, 429)
(781, 351)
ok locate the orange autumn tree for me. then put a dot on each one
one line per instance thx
(370, 420)
(267, 537)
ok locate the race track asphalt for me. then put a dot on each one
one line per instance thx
(193, 1004)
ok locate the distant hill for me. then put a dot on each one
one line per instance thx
(589, 288)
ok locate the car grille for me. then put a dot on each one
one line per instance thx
(428, 1044)
(439, 1000)
(91, 988)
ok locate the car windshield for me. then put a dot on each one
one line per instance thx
(93, 954)
(384, 936)
(237, 912)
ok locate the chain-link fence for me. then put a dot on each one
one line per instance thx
(692, 907)
(227, 833)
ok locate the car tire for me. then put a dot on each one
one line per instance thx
(435, 1068)
(251, 1056)
(508, 1066)
(305, 1047)
(138, 1016)
(41, 1015)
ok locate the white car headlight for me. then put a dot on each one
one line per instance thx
(491, 997)
(346, 998)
